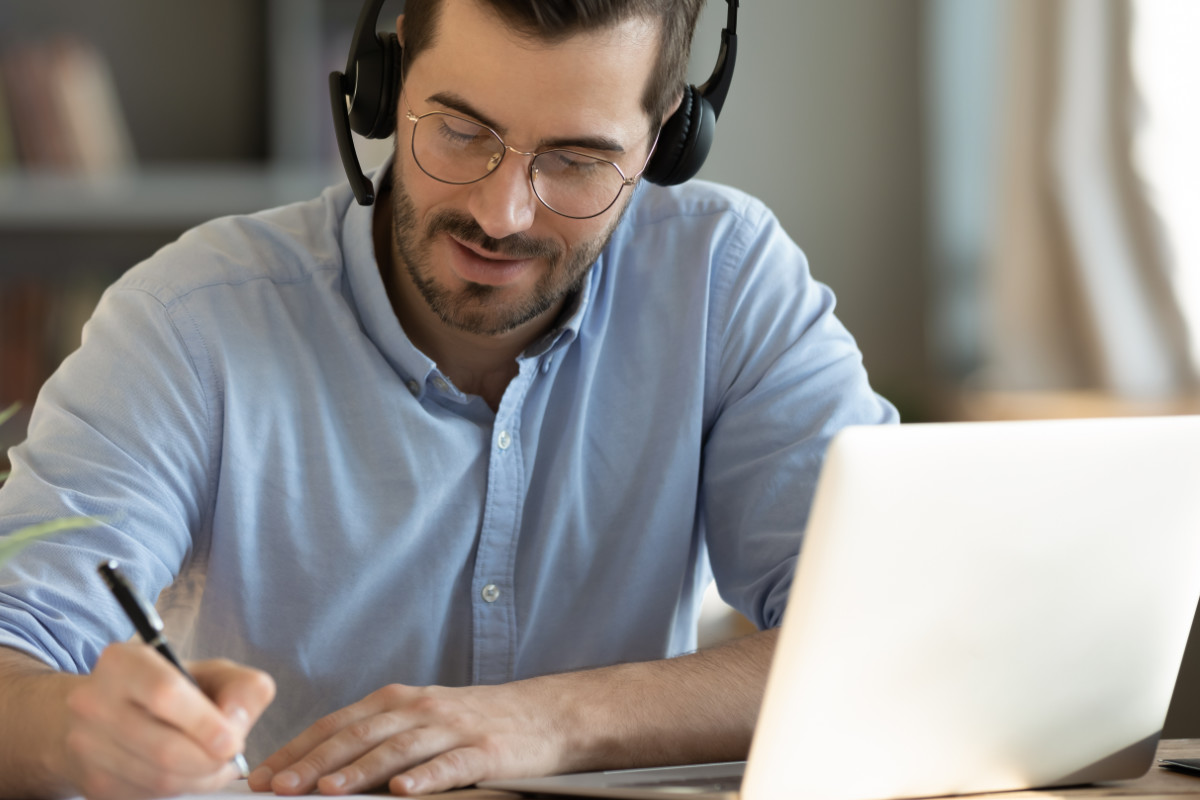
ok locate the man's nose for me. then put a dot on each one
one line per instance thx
(503, 203)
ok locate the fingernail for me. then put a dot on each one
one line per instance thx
(403, 785)
(286, 779)
(335, 781)
(238, 716)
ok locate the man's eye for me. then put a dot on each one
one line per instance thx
(566, 161)
(461, 133)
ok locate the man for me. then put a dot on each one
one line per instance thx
(449, 470)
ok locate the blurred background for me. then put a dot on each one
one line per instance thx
(1004, 194)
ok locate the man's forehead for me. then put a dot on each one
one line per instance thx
(593, 78)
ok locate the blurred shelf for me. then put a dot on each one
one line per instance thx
(980, 404)
(177, 196)
(249, 132)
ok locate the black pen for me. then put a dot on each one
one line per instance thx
(150, 627)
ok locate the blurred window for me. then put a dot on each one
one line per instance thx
(1166, 61)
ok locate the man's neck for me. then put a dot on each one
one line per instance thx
(475, 363)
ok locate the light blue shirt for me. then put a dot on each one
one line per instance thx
(317, 500)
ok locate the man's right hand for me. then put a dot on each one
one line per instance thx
(134, 728)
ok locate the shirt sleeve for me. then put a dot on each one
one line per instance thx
(120, 432)
(784, 376)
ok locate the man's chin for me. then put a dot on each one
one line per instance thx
(484, 310)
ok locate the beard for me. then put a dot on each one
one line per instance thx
(476, 308)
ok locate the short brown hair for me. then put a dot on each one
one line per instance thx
(557, 20)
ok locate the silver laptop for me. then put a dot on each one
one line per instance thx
(977, 607)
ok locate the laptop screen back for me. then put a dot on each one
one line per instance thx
(984, 606)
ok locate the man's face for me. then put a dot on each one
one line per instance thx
(488, 257)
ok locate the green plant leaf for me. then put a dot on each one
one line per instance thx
(16, 541)
(5, 416)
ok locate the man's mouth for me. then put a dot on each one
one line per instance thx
(474, 264)
(487, 255)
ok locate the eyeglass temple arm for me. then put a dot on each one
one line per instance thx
(717, 86)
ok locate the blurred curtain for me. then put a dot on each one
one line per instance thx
(1165, 64)
(1080, 283)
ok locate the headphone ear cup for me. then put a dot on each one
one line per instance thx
(377, 90)
(671, 141)
(684, 142)
(393, 62)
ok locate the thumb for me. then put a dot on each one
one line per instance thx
(241, 693)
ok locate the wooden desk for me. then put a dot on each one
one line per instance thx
(1157, 783)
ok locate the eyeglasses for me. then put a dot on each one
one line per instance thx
(455, 150)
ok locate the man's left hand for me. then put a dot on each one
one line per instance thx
(419, 741)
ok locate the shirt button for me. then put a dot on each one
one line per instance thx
(441, 384)
(414, 387)
(504, 440)
(490, 593)
(546, 365)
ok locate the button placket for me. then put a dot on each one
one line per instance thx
(494, 612)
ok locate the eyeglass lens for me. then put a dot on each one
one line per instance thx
(455, 150)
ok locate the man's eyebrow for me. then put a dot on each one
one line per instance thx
(457, 103)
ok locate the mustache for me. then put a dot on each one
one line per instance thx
(464, 228)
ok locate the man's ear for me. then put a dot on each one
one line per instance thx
(400, 29)
(671, 109)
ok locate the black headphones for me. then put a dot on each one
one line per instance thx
(365, 96)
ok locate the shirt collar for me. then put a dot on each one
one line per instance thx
(376, 315)
(570, 319)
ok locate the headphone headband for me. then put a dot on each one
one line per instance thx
(717, 86)
(364, 98)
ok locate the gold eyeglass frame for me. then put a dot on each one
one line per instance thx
(626, 180)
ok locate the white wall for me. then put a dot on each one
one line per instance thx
(823, 122)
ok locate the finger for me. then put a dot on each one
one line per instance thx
(119, 742)
(232, 685)
(349, 744)
(270, 774)
(181, 705)
(161, 747)
(117, 766)
(142, 675)
(143, 784)
(139, 781)
(241, 693)
(452, 769)
(393, 755)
